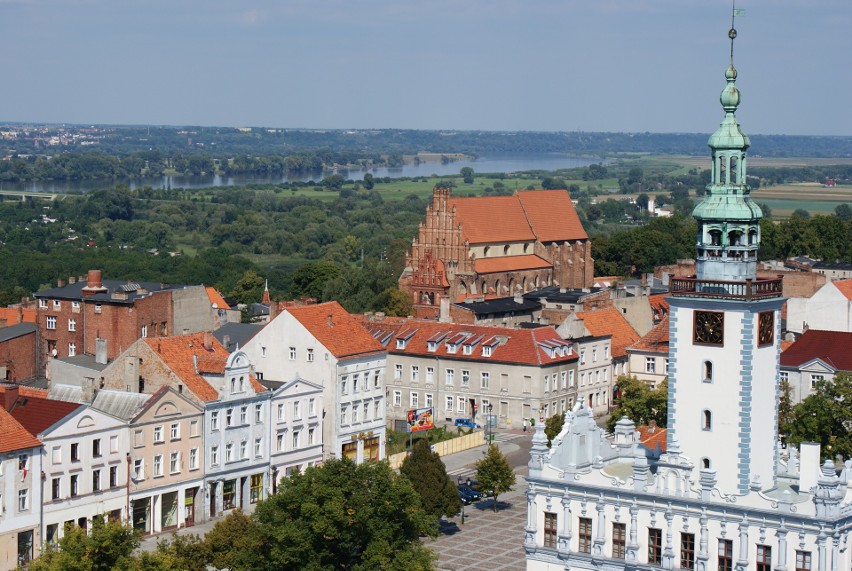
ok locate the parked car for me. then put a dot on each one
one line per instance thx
(467, 423)
(467, 491)
(464, 498)
(475, 485)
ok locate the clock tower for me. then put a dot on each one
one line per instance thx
(724, 327)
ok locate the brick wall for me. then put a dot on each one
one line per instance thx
(18, 355)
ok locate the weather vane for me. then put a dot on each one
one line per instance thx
(732, 33)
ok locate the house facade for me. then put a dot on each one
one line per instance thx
(815, 356)
(297, 426)
(829, 309)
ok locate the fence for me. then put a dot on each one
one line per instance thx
(465, 442)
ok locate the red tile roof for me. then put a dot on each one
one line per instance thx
(845, 287)
(652, 437)
(508, 345)
(338, 331)
(177, 353)
(659, 305)
(13, 435)
(610, 321)
(656, 340)
(510, 264)
(216, 299)
(547, 215)
(33, 409)
(832, 347)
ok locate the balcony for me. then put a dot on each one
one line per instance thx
(761, 288)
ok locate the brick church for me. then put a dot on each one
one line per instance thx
(500, 246)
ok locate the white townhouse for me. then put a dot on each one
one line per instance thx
(327, 346)
(296, 424)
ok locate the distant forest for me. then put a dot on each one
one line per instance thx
(50, 152)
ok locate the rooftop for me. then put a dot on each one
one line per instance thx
(610, 321)
(831, 347)
(338, 331)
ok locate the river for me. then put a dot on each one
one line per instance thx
(489, 164)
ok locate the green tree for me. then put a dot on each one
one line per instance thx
(342, 515)
(786, 414)
(428, 475)
(105, 547)
(843, 211)
(311, 278)
(824, 417)
(467, 175)
(552, 427)
(395, 303)
(180, 553)
(369, 182)
(494, 473)
(800, 213)
(639, 403)
(249, 288)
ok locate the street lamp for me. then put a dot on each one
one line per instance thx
(488, 423)
(462, 502)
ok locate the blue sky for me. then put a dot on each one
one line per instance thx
(550, 65)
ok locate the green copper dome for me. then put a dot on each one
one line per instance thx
(729, 135)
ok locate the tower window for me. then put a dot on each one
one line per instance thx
(716, 237)
(734, 170)
(708, 372)
(705, 463)
(706, 420)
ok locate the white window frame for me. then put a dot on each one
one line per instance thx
(72, 325)
(397, 398)
(449, 377)
(51, 322)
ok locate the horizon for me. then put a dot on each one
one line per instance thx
(564, 66)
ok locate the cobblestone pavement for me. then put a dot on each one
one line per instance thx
(487, 540)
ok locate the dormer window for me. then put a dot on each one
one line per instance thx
(467, 349)
(400, 343)
(431, 346)
(486, 351)
(452, 347)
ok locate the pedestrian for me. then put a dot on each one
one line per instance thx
(525, 425)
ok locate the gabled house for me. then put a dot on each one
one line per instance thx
(815, 356)
(327, 346)
(829, 309)
(648, 358)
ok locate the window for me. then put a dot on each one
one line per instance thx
(296, 435)
(344, 385)
(460, 405)
(430, 374)
(377, 409)
(144, 331)
(51, 322)
(564, 379)
(229, 494)
(113, 476)
(193, 459)
(546, 383)
(619, 540)
(650, 365)
(312, 407)
(448, 404)
(42, 304)
(98, 308)
(376, 382)
(243, 450)
(452, 347)
(414, 400)
(486, 350)
(449, 377)
(415, 373)
(229, 452)
(158, 434)
(229, 417)
(310, 355)
(815, 379)
(279, 442)
(174, 463)
(706, 420)
(23, 500)
(655, 546)
(75, 485)
(705, 463)
(72, 349)
(397, 398)
(708, 372)
(355, 383)
(467, 349)
(243, 415)
(764, 558)
(354, 413)
(431, 346)
(583, 357)
(75, 452)
(56, 488)
(280, 412)
(72, 325)
(803, 560)
(214, 456)
(138, 438)
(158, 465)
(667, 366)
(256, 488)
(584, 534)
(550, 523)
(174, 431)
(397, 372)
(258, 413)
(687, 551)
(726, 555)
(606, 352)
(311, 436)
(292, 353)
(594, 355)
(465, 381)
(366, 411)
(571, 378)
(57, 304)
(214, 420)
(297, 410)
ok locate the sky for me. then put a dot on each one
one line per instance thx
(495, 65)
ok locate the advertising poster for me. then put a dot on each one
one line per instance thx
(420, 419)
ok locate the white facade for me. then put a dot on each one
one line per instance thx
(85, 471)
(20, 506)
(828, 309)
(296, 423)
(595, 376)
(236, 441)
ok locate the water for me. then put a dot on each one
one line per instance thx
(490, 164)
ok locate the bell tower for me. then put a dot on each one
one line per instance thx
(725, 326)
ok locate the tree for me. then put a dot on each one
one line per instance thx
(395, 303)
(428, 475)
(467, 175)
(369, 183)
(824, 417)
(181, 553)
(311, 278)
(494, 473)
(249, 289)
(639, 403)
(843, 211)
(800, 213)
(642, 201)
(553, 426)
(107, 546)
(342, 515)
(786, 415)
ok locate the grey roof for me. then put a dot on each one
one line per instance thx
(74, 292)
(120, 404)
(500, 306)
(19, 330)
(555, 293)
(832, 266)
(86, 361)
(66, 393)
(237, 333)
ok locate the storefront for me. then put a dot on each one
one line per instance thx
(169, 513)
(256, 488)
(141, 513)
(189, 507)
(229, 494)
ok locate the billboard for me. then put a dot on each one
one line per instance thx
(420, 419)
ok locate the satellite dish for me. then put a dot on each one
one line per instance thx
(54, 352)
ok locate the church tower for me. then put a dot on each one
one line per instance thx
(725, 326)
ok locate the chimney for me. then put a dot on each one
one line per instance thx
(72, 280)
(94, 283)
(60, 283)
(273, 310)
(226, 341)
(101, 351)
(208, 341)
(87, 392)
(380, 316)
(444, 309)
(809, 472)
(330, 320)
(20, 314)
(10, 396)
(518, 297)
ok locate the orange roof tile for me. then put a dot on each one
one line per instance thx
(845, 287)
(13, 435)
(336, 329)
(609, 321)
(552, 215)
(656, 340)
(177, 353)
(785, 344)
(11, 317)
(652, 437)
(510, 264)
(508, 345)
(216, 299)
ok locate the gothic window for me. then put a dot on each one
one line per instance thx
(708, 372)
(766, 328)
(706, 420)
(715, 237)
(709, 328)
